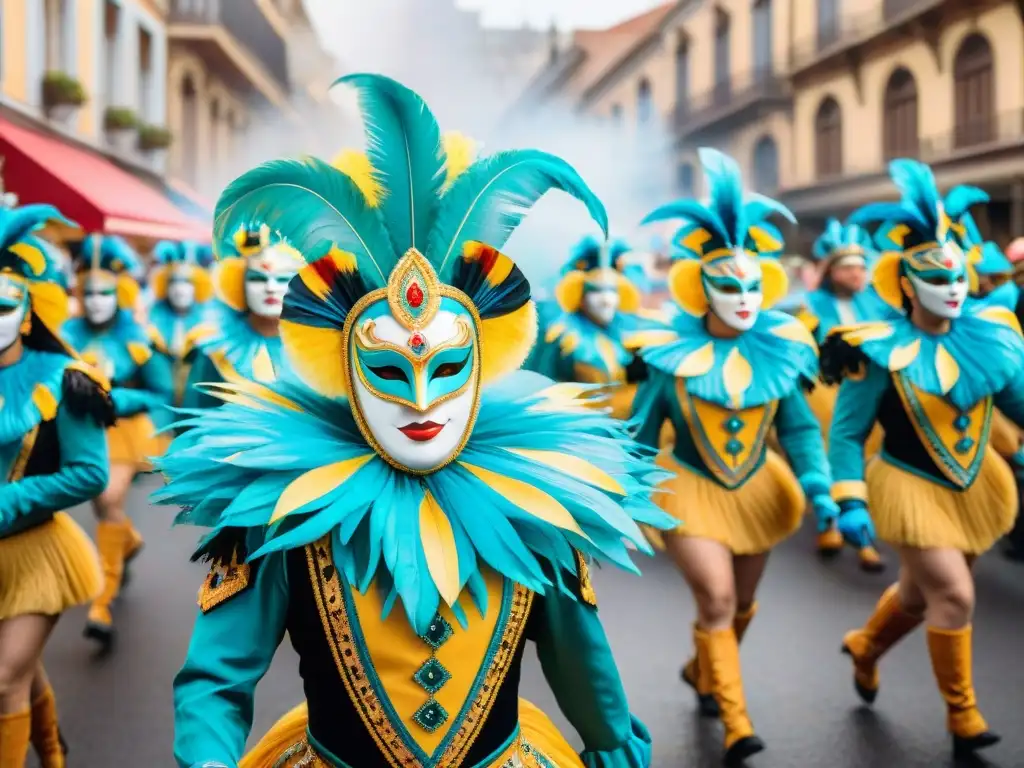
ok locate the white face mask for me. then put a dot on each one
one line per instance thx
(10, 324)
(601, 302)
(734, 290)
(266, 281)
(944, 300)
(181, 293)
(100, 302)
(418, 415)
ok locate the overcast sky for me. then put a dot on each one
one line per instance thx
(568, 14)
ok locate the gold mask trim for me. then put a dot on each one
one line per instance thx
(412, 277)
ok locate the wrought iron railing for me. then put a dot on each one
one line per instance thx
(742, 90)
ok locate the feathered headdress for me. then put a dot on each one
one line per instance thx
(593, 263)
(722, 235)
(993, 261)
(184, 260)
(235, 247)
(840, 242)
(923, 233)
(110, 258)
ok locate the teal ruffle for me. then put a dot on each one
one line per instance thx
(635, 753)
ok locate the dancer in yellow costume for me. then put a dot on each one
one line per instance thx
(53, 410)
(417, 508)
(937, 491)
(737, 370)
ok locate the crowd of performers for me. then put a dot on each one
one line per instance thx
(407, 465)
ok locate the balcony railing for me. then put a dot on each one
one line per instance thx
(245, 22)
(745, 90)
(976, 135)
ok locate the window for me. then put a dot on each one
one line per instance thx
(145, 96)
(974, 92)
(644, 102)
(56, 20)
(828, 23)
(111, 46)
(685, 179)
(766, 165)
(722, 46)
(899, 116)
(828, 139)
(762, 40)
(189, 131)
(682, 76)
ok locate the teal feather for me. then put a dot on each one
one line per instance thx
(310, 205)
(694, 212)
(115, 255)
(758, 207)
(17, 225)
(404, 147)
(489, 200)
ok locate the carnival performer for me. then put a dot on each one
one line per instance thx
(240, 334)
(595, 325)
(418, 508)
(937, 491)
(108, 336)
(53, 410)
(736, 370)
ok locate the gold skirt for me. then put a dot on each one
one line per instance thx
(48, 569)
(749, 520)
(822, 400)
(132, 441)
(285, 744)
(912, 511)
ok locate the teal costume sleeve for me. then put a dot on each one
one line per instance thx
(157, 378)
(800, 437)
(651, 408)
(1010, 402)
(202, 371)
(854, 417)
(83, 472)
(231, 649)
(580, 669)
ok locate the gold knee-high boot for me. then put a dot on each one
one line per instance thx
(15, 730)
(718, 655)
(950, 651)
(691, 671)
(111, 541)
(884, 628)
(46, 731)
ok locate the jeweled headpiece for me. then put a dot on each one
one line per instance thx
(406, 306)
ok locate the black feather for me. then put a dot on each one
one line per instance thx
(84, 398)
(222, 547)
(636, 371)
(42, 339)
(839, 359)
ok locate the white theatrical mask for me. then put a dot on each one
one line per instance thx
(421, 439)
(266, 280)
(181, 292)
(11, 319)
(944, 300)
(601, 302)
(100, 302)
(734, 290)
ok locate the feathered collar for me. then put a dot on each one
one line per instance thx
(165, 319)
(293, 465)
(980, 355)
(766, 363)
(114, 349)
(866, 306)
(1006, 295)
(586, 340)
(226, 333)
(30, 391)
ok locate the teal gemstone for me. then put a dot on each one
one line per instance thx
(733, 447)
(430, 716)
(733, 425)
(438, 632)
(963, 445)
(962, 422)
(432, 676)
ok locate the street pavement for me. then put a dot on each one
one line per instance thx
(117, 711)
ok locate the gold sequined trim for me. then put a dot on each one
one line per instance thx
(28, 442)
(222, 583)
(587, 592)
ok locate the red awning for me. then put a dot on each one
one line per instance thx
(89, 189)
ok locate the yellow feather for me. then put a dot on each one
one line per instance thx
(44, 400)
(140, 353)
(527, 497)
(316, 484)
(438, 542)
(263, 366)
(946, 367)
(698, 362)
(794, 330)
(858, 334)
(565, 392)
(229, 283)
(258, 391)
(684, 283)
(317, 356)
(569, 291)
(1002, 316)
(901, 357)
(31, 255)
(649, 338)
(554, 332)
(506, 341)
(579, 469)
(356, 165)
(737, 375)
(461, 151)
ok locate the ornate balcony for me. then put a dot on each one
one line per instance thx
(730, 102)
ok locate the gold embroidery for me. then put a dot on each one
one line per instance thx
(348, 659)
(28, 442)
(222, 583)
(586, 587)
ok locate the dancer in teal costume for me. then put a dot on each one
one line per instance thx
(108, 336)
(417, 507)
(735, 370)
(938, 492)
(53, 410)
(182, 288)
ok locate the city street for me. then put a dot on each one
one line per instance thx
(117, 711)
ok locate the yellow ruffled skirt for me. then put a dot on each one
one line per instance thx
(749, 520)
(912, 511)
(48, 569)
(822, 400)
(285, 745)
(132, 440)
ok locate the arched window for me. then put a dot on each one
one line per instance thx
(682, 75)
(723, 45)
(685, 179)
(644, 102)
(189, 131)
(974, 92)
(828, 23)
(766, 165)
(762, 40)
(828, 139)
(899, 116)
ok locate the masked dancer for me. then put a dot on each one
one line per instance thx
(422, 508)
(736, 370)
(108, 336)
(937, 491)
(53, 455)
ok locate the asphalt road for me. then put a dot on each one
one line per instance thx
(116, 711)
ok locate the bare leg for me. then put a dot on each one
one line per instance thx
(747, 572)
(21, 646)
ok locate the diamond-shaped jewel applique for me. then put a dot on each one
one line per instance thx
(733, 424)
(733, 447)
(962, 422)
(963, 445)
(432, 676)
(438, 632)
(430, 716)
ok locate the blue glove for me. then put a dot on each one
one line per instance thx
(825, 510)
(855, 524)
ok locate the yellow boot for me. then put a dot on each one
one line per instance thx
(45, 731)
(885, 627)
(110, 541)
(14, 739)
(133, 544)
(718, 655)
(690, 674)
(950, 651)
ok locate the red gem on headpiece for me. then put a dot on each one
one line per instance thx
(948, 263)
(414, 295)
(416, 341)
